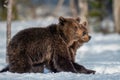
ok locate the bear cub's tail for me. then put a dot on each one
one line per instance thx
(5, 69)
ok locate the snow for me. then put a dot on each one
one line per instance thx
(101, 53)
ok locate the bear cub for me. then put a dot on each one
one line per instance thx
(32, 49)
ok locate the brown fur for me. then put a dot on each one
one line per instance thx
(84, 37)
(32, 49)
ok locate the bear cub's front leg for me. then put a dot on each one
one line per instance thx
(82, 69)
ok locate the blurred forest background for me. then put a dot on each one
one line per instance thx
(102, 15)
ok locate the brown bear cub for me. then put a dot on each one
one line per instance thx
(33, 49)
(83, 39)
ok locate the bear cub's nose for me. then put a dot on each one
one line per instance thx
(89, 37)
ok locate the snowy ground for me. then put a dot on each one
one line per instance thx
(102, 54)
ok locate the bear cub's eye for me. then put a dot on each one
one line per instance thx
(76, 27)
(84, 33)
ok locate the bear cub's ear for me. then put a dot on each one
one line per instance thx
(78, 19)
(62, 20)
(85, 24)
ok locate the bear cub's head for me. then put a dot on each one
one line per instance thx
(73, 30)
(70, 28)
(84, 37)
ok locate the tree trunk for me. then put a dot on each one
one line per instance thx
(77, 6)
(9, 18)
(59, 5)
(83, 5)
(33, 11)
(116, 8)
(83, 8)
(73, 8)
